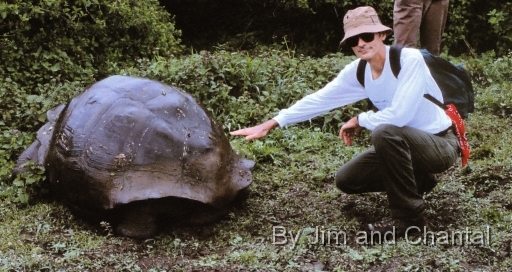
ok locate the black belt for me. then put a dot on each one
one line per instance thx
(444, 132)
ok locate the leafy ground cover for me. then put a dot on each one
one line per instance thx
(294, 219)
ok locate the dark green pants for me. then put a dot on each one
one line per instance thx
(400, 163)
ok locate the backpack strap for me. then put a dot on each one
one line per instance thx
(394, 59)
(435, 101)
(360, 71)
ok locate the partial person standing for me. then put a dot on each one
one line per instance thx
(420, 19)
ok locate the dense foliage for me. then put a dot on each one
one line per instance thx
(315, 27)
(66, 39)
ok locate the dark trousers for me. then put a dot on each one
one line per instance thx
(401, 163)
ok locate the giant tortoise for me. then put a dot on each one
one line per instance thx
(136, 152)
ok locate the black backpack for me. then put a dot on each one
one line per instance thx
(453, 80)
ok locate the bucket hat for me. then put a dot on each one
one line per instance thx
(362, 20)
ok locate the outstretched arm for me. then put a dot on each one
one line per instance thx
(255, 132)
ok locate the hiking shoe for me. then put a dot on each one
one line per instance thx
(400, 225)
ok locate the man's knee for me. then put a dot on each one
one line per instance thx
(384, 130)
(386, 136)
(343, 182)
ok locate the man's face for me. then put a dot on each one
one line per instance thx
(366, 47)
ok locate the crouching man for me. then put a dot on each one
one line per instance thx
(412, 137)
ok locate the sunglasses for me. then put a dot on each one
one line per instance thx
(354, 40)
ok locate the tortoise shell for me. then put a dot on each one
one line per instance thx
(128, 139)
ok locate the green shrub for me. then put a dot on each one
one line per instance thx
(488, 73)
(77, 40)
(30, 182)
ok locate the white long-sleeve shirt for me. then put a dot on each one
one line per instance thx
(399, 100)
